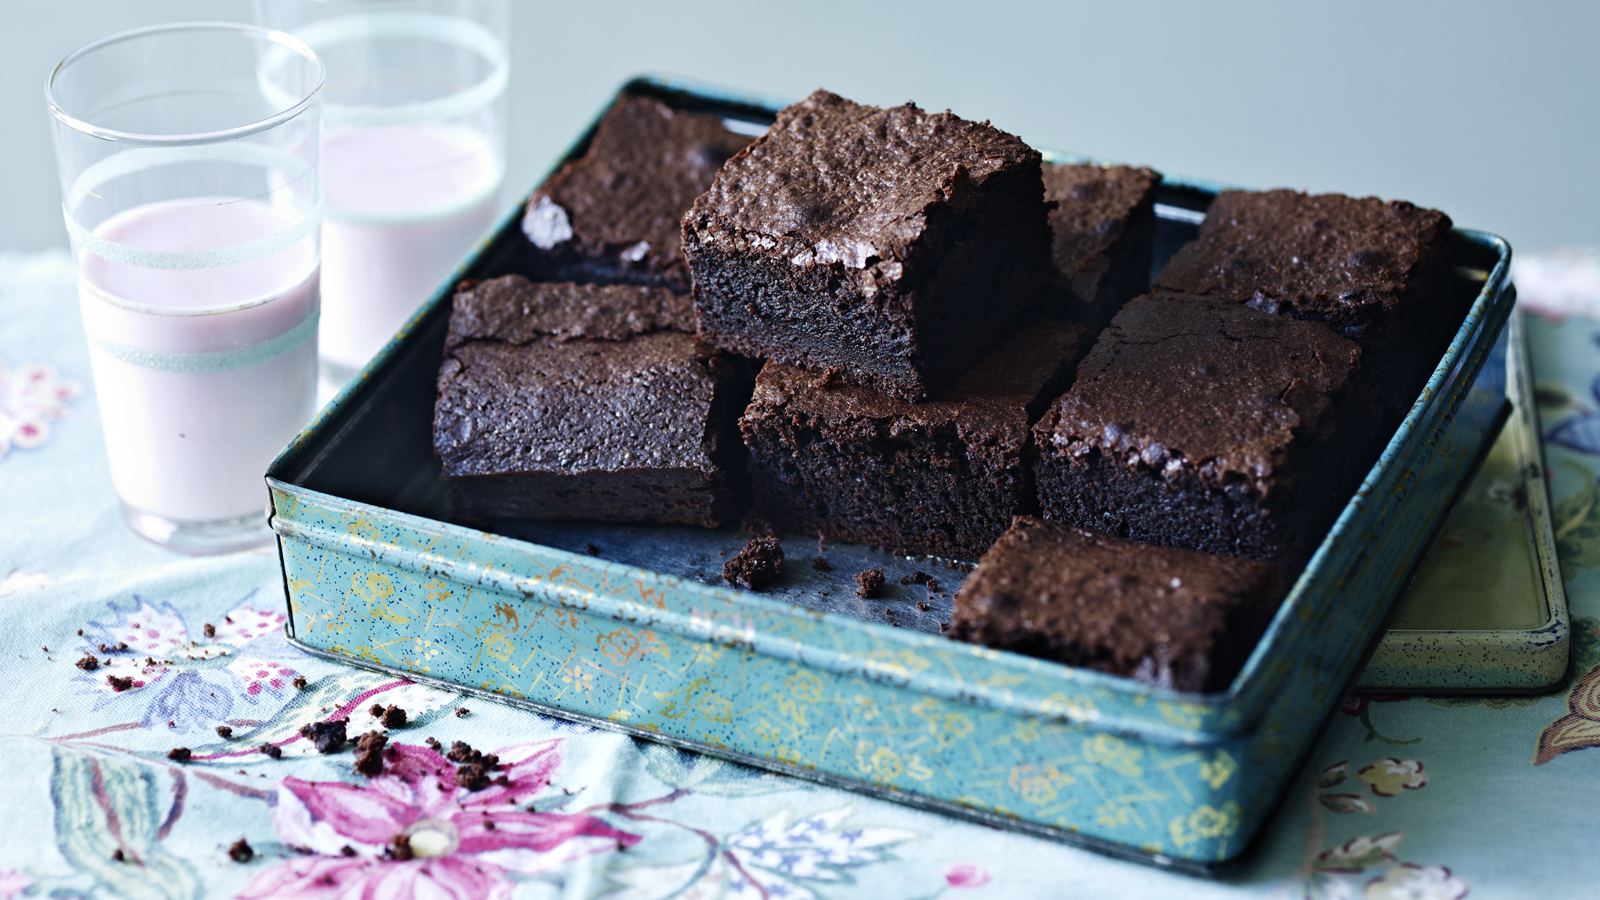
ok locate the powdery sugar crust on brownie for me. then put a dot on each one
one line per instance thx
(1177, 382)
(833, 181)
(1324, 256)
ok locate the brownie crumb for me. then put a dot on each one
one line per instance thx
(591, 549)
(923, 605)
(433, 744)
(869, 584)
(921, 577)
(821, 564)
(88, 663)
(210, 630)
(394, 717)
(462, 752)
(347, 850)
(376, 711)
(828, 378)
(241, 851)
(178, 754)
(943, 627)
(489, 825)
(80, 632)
(272, 750)
(299, 682)
(118, 855)
(473, 776)
(462, 712)
(225, 732)
(959, 566)
(369, 753)
(120, 683)
(400, 848)
(758, 563)
(328, 736)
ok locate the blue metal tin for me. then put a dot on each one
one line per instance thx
(642, 641)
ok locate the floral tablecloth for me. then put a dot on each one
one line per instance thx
(1403, 797)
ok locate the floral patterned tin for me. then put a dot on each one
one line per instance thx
(630, 628)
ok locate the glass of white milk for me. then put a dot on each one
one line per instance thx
(412, 159)
(189, 163)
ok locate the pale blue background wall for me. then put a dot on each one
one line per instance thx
(1490, 111)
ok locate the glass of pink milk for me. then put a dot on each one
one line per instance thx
(412, 159)
(188, 156)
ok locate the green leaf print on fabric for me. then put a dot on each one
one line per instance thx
(108, 808)
(1577, 525)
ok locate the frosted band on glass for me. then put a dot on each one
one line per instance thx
(290, 168)
(217, 361)
(490, 188)
(191, 260)
(462, 33)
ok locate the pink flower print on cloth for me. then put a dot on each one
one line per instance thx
(260, 674)
(30, 398)
(413, 832)
(148, 648)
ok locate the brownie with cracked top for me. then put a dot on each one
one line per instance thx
(1162, 615)
(1378, 272)
(612, 215)
(582, 401)
(1102, 232)
(1209, 425)
(942, 477)
(890, 245)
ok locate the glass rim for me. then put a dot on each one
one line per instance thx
(280, 38)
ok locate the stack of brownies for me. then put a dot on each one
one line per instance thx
(905, 330)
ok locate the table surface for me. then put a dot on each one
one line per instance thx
(1402, 797)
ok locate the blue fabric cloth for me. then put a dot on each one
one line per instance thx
(1402, 797)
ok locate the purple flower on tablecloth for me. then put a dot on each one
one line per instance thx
(192, 679)
(778, 858)
(30, 397)
(1580, 432)
(412, 831)
(966, 875)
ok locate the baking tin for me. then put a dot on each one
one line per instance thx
(1486, 611)
(794, 682)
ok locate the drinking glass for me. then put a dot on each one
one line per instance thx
(188, 158)
(413, 157)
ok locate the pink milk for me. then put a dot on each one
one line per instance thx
(405, 203)
(202, 375)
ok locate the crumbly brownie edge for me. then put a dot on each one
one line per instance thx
(1186, 509)
(986, 613)
(918, 332)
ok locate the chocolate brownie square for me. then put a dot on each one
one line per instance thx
(1168, 617)
(1102, 231)
(1209, 425)
(890, 245)
(612, 215)
(942, 477)
(582, 401)
(1377, 271)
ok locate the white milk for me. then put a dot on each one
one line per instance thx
(204, 375)
(405, 203)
